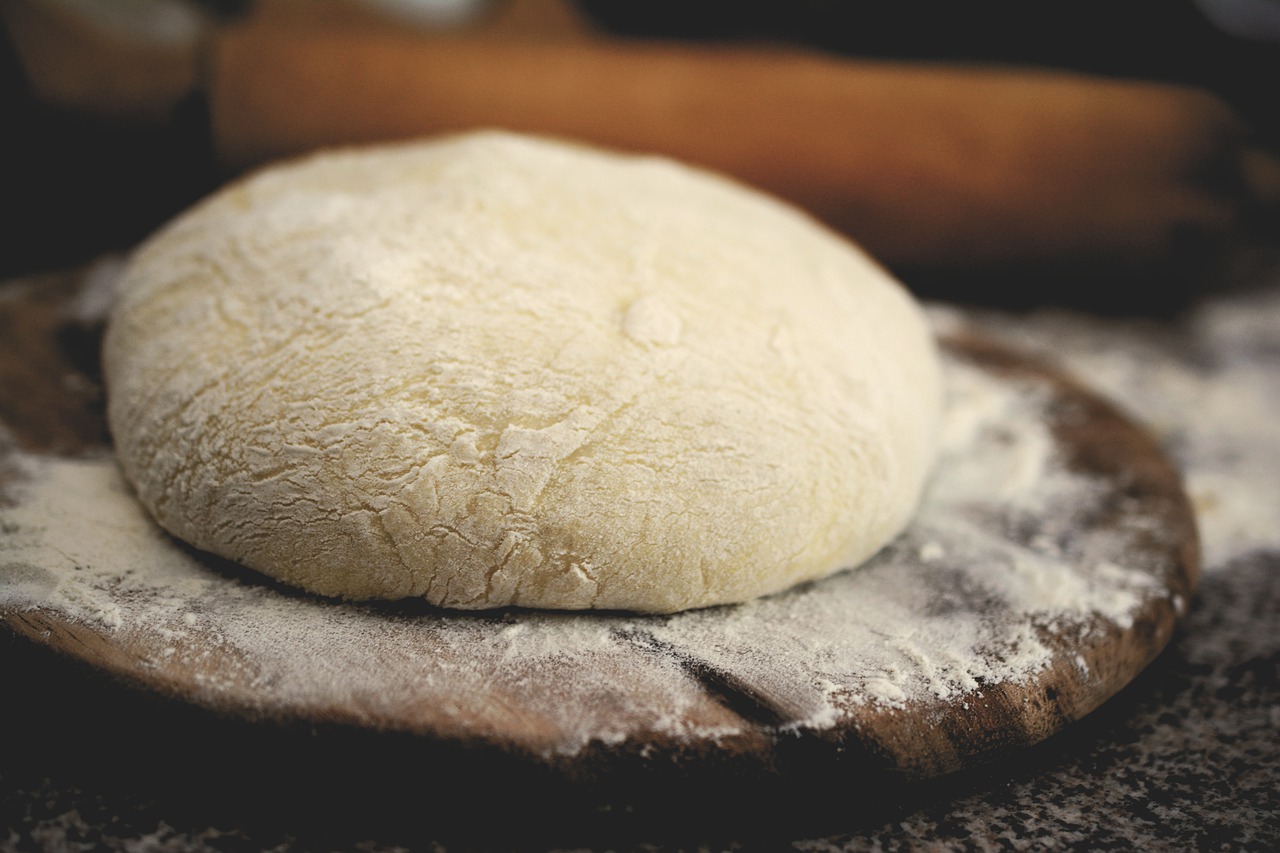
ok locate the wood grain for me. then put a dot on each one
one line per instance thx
(50, 405)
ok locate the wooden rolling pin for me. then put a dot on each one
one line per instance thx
(929, 166)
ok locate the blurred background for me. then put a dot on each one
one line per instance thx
(1117, 156)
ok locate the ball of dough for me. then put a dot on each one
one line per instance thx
(492, 370)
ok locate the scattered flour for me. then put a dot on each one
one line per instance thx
(1209, 386)
(952, 606)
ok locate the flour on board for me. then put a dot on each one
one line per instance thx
(949, 608)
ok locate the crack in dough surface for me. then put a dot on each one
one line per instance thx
(492, 370)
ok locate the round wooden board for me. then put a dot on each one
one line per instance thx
(758, 688)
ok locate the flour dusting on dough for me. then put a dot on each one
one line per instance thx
(493, 370)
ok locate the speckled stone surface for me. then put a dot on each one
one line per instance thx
(1186, 757)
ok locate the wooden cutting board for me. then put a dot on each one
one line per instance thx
(1008, 610)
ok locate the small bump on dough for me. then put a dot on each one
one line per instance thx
(649, 321)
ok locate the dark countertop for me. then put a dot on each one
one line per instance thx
(1188, 756)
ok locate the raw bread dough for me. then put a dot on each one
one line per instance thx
(492, 370)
